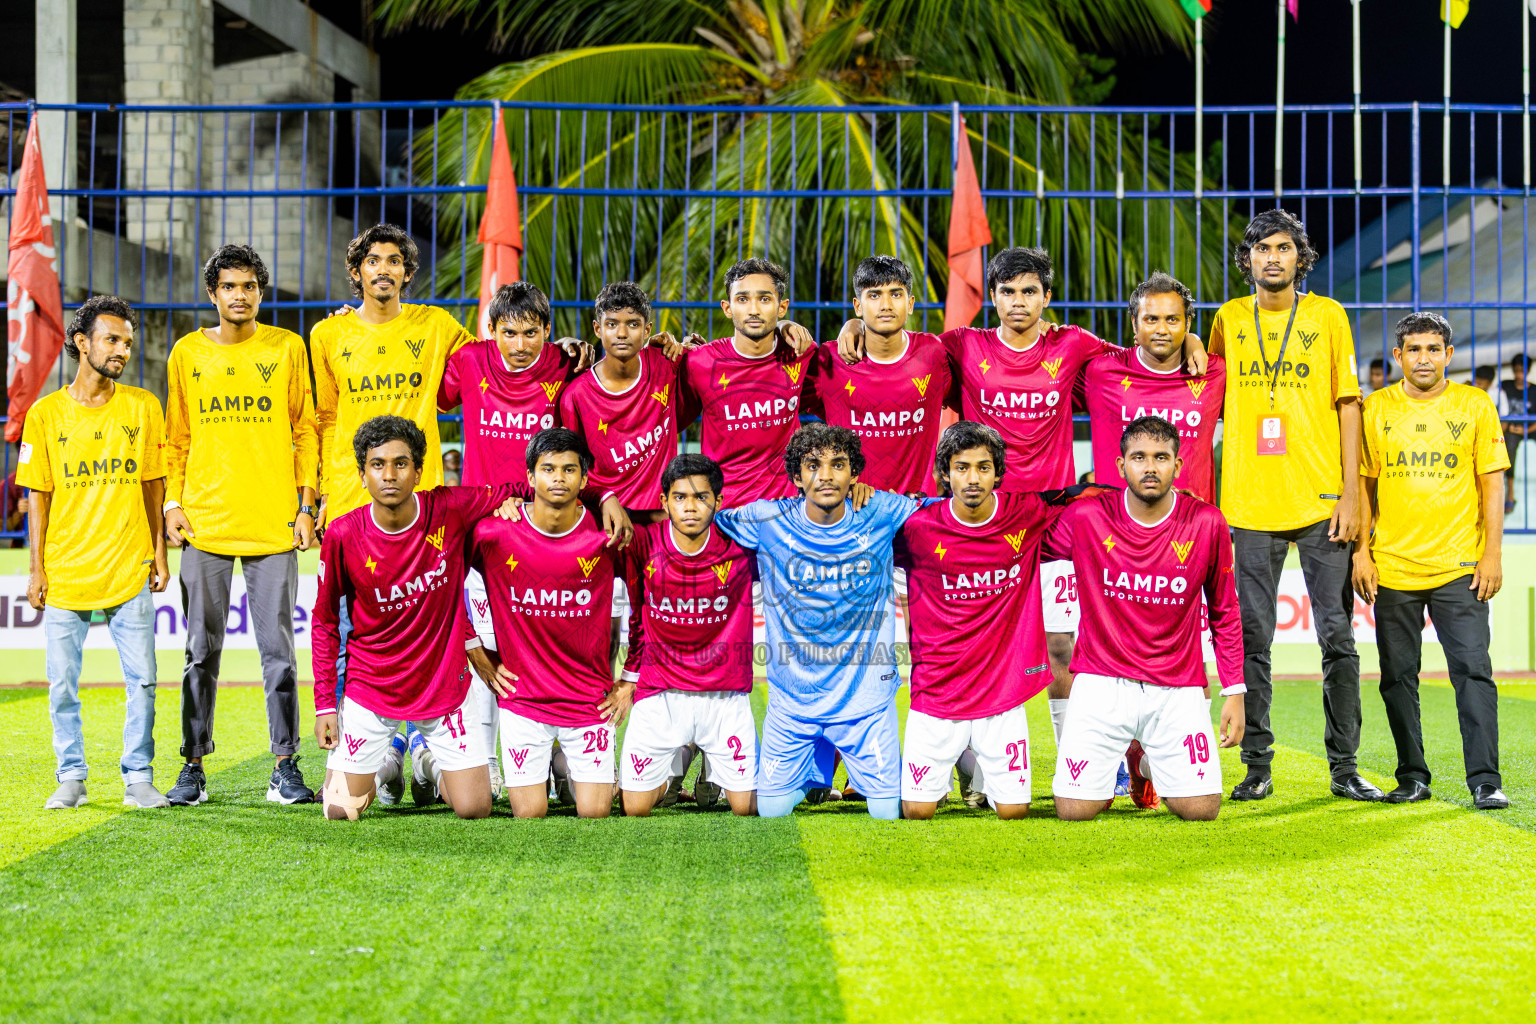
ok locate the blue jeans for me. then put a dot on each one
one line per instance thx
(343, 631)
(132, 625)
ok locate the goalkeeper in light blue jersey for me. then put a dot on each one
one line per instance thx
(829, 611)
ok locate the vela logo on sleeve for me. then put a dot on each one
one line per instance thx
(415, 346)
(1195, 387)
(551, 388)
(723, 570)
(435, 538)
(588, 564)
(1182, 550)
(921, 383)
(1015, 539)
(1051, 366)
(664, 395)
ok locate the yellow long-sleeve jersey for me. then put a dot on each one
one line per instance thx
(364, 370)
(241, 439)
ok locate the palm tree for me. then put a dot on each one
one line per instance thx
(843, 57)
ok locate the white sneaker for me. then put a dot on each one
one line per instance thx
(390, 780)
(70, 794)
(498, 784)
(144, 795)
(565, 791)
(423, 789)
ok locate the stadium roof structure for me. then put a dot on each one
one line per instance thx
(1470, 251)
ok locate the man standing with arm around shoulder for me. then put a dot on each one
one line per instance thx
(241, 447)
(1291, 456)
(93, 456)
(1433, 476)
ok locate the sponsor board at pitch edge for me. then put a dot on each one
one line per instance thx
(21, 625)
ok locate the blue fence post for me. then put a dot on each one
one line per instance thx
(1417, 184)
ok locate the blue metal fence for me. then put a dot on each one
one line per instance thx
(670, 196)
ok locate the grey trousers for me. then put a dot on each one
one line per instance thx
(271, 586)
(1259, 557)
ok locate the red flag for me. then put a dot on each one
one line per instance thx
(501, 228)
(968, 233)
(35, 311)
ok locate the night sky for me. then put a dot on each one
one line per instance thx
(1401, 57)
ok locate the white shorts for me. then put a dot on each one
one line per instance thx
(719, 722)
(1173, 724)
(931, 746)
(456, 740)
(526, 747)
(479, 607)
(1058, 596)
(620, 600)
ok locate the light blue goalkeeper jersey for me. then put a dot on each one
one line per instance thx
(828, 602)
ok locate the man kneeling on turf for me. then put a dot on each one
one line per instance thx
(690, 645)
(826, 568)
(548, 576)
(1143, 557)
(399, 562)
(973, 571)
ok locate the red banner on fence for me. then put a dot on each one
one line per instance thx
(501, 227)
(35, 311)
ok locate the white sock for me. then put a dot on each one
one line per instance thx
(486, 711)
(1058, 716)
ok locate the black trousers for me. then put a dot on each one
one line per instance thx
(1461, 620)
(1259, 557)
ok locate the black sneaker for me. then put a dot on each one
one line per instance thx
(287, 784)
(191, 787)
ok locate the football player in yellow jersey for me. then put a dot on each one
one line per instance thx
(1433, 479)
(1290, 461)
(383, 357)
(93, 455)
(241, 444)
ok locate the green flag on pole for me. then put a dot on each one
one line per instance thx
(1198, 9)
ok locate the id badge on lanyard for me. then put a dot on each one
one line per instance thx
(1270, 437)
(1271, 433)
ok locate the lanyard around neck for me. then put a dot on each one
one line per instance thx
(1258, 331)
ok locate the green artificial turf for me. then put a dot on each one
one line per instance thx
(1300, 908)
